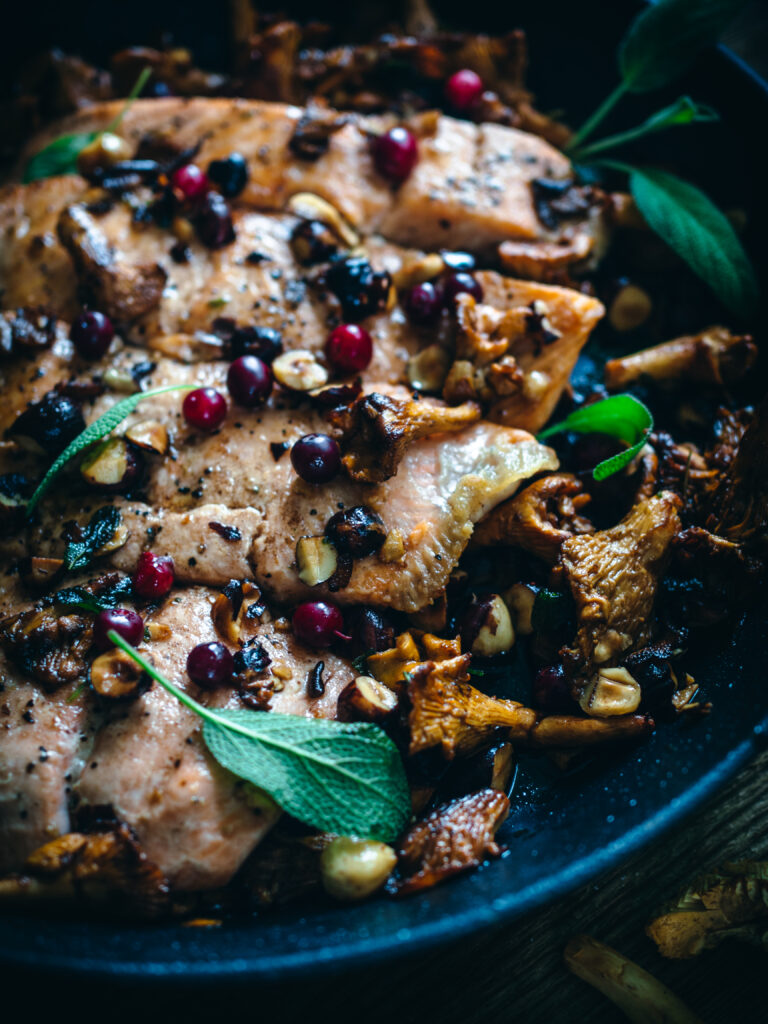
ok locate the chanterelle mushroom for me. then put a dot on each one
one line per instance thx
(378, 429)
(540, 518)
(713, 356)
(614, 575)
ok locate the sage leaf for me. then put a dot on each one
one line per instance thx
(344, 777)
(699, 233)
(98, 531)
(94, 432)
(666, 38)
(620, 416)
(683, 111)
(84, 600)
(59, 157)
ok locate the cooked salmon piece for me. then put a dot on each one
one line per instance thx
(145, 760)
(470, 188)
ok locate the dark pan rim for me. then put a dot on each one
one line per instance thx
(451, 926)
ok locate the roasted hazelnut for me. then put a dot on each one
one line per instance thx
(365, 699)
(114, 465)
(370, 629)
(520, 599)
(352, 869)
(298, 370)
(428, 369)
(106, 150)
(116, 675)
(150, 435)
(316, 560)
(630, 308)
(357, 531)
(613, 691)
(52, 423)
(313, 242)
(487, 627)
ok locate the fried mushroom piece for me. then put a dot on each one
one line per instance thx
(448, 712)
(107, 871)
(455, 837)
(738, 507)
(121, 290)
(538, 519)
(377, 430)
(52, 649)
(715, 356)
(614, 575)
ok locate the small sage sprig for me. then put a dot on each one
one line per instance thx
(344, 777)
(660, 45)
(620, 416)
(60, 156)
(94, 432)
(683, 111)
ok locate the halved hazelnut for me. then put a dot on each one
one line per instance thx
(119, 539)
(365, 699)
(117, 676)
(150, 435)
(427, 371)
(112, 466)
(630, 309)
(487, 627)
(613, 691)
(309, 206)
(118, 379)
(200, 347)
(393, 548)
(416, 269)
(352, 869)
(520, 599)
(106, 150)
(316, 559)
(299, 371)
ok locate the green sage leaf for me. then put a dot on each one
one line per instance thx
(620, 416)
(94, 432)
(667, 37)
(59, 157)
(344, 777)
(98, 531)
(699, 233)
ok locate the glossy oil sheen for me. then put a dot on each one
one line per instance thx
(561, 831)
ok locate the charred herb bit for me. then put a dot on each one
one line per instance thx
(620, 416)
(315, 681)
(339, 777)
(99, 530)
(96, 600)
(251, 659)
(228, 533)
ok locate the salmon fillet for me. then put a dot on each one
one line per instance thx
(470, 187)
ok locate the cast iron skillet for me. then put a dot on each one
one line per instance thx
(561, 831)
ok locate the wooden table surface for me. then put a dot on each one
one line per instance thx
(515, 972)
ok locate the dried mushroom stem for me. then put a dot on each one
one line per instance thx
(715, 356)
(378, 429)
(636, 992)
(448, 712)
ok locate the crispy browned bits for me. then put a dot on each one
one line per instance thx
(377, 431)
(50, 648)
(454, 837)
(540, 518)
(108, 871)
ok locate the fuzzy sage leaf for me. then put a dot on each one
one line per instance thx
(621, 416)
(94, 432)
(60, 156)
(667, 37)
(344, 777)
(698, 232)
